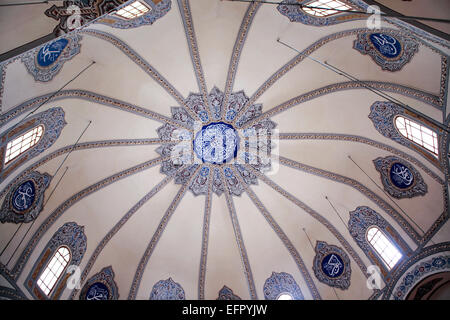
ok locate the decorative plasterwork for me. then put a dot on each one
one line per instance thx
(389, 49)
(167, 290)
(383, 114)
(421, 255)
(156, 11)
(53, 122)
(45, 61)
(101, 286)
(361, 219)
(208, 145)
(25, 199)
(227, 294)
(420, 271)
(332, 265)
(279, 283)
(296, 14)
(87, 10)
(400, 179)
(70, 235)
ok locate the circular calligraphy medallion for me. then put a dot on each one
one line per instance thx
(97, 291)
(401, 176)
(24, 196)
(216, 143)
(50, 53)
(332, 265)
(387, 45)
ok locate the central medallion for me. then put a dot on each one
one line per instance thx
(216, 143)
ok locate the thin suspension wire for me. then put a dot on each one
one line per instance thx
(29, 3)
(346, 226)
(314, 250)
(20, 225)
(387, 195)
(367, 86)
(62, 162)
(402, 17)
(31, 225)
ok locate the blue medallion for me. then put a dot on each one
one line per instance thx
(23, 197)
(216, 143)
(401, 176)
(97, 291)
(387, 45)
(50, 53)
(332, 265)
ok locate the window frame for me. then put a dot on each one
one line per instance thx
(142, 2)
(39, 139)
(55, 285)
(325, 16)
(394, 245)
(436, 155)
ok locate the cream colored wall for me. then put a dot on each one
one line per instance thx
(26, 23)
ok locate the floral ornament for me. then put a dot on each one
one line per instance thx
(332, 265)
(400, 179)
(70, 235)
(167, 290)
(45, 61)
(383, 114)
(292, 10)
(53, 122)
(212, 141)
(420, 271)
(389, 49)
(25, 199)
(227, 294)
(101, 286)
(281, 283)
(155, 12)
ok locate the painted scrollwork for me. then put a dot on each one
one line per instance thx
(25, 199)
(400, 179)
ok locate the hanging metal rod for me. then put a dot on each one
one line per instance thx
(367, 86)
(346, 11)
(28, 3)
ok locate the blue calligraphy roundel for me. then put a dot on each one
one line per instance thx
(50, 53)
(216, 143)
(332, 265)
(401, 176)
(387, 45)
(97, 291)
(24, 196)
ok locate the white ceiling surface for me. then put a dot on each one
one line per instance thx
(27, 23)
(177, 254)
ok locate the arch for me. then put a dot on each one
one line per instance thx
(418, 134)
(54, 269)
(362, 220)
(381, 244)
(49, 282)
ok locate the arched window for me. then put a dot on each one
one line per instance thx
(326, 7)
(54, 269)
(285, 296)
(22, 143)
(418, 133)
(383, 246)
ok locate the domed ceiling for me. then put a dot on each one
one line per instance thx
(211, 149)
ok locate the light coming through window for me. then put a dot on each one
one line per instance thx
(54, 270)
(21, 144)
(387, 251)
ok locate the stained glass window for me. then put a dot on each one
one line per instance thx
(54, 270)
(326, 7)
(383, 246)
(22, 143)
